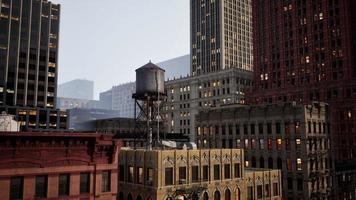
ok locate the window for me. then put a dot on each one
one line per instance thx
(131, 174)
(278, 128)
(259, 191)
(299, 164)
(41, 186)
(269, 144)
(288, 145)
(238, 143)
(237, 129)
(250, 193)
(227, 174)
(205, 173)
(300, 184)
(252, 126)
(168, 176)
(267, 190)
(182, 175)
(216, 172)
(195, 174)
(275, 189)
(139, 175)
(237, 170)
(289, 164)
(16, 188)
(246, 144)
(290, 183)
(260, 128)
(298, 142)
(253, 144)
(84, 183)
(122, 173)
(245, 129)
(106, 181)
(63, 185)
(269, 128)
(149, 176)
(262, 144)
(279, 144)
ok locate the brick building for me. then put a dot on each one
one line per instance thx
(305, 51)
(58, 166)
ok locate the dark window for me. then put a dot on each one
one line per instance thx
(237, 170)
(168, 176)
(269, 128)
(275, 189)
(260, 128)
(278, 128)
(216, 172)
(252, 126)
(195, 174)
(16, 188)
(106, 181)
(63, 185)
(259, 191)
(245, 129)
(205, 173)
(267, 190)
(41, 186)
(290, 183)
(122, 173)
(149, 175)
(84, 183)
(227, 174)
(182, 175)
(250, 193)
(300, 184)
(237, 129)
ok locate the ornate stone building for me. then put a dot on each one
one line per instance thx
(193, 174)
(292, 138)
(58, 166)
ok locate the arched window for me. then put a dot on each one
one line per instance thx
(129, 196)
(237, 194)
(227, 194)
(205, 196)
(270, 163)
(139, 197)
(262, 162)
(253, 162)
(216, 195)
(279, 163)
(121, 196)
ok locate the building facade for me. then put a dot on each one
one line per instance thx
(305, 51)
(193, 174)
(29, 59)
(292, 138)
(77, 89)
(221, 35)
(176, 67)
(58, 166)
(187, 96)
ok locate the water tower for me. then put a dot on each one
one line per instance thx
(148, 97)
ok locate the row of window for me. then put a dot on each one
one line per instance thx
(64, 184)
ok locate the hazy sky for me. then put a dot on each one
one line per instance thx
(106, 40)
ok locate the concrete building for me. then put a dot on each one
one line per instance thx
(293, 138)
(122, 100)
(58, 166)
(8, 124)
(221, 36)
(176, 67)
(193, 174)
(77, 89)
(105, 99)
(305, 51)
(187, 96)
(29, 61)
(69, 103)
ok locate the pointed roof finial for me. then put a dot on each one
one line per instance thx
(150, 61)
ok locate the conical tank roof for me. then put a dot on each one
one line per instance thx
(149, 66)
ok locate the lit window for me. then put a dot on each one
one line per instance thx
(279, 144)
(299, 164)
(307, 59)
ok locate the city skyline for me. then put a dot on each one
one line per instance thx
(117, 66)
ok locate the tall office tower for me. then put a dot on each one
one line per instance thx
(77, 89)
(305, 51)
(28, 62)
(221, 35)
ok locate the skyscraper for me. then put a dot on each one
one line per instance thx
(305, 51)
(221, 35)
(28, 62)
(77, 88)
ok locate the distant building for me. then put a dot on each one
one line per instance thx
(80, 119)
(29, 38)
(176, 67)
(69, 103)
(193, 174)
(58, 166)
(77, 89)
(122, 100)
(292, 138)
(105, 99)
